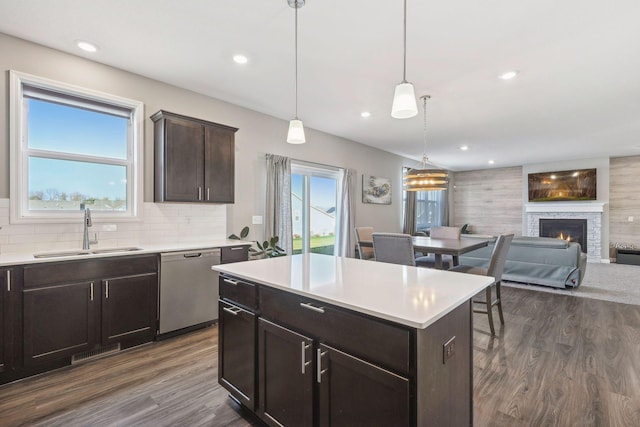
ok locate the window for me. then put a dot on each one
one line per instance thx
(314, 196)
(73, 148)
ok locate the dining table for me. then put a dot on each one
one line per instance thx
(439, 247)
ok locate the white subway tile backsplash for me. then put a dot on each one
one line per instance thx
(161, 223)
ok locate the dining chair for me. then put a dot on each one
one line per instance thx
(364, 234)
(439, 233)
(394, 248)
(495, 269)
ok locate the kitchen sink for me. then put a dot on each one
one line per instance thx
(85, 252)
(61, 254)
(111, 250)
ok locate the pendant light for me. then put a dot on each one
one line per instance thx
(296, 129)
(426, 179)
(404, 98)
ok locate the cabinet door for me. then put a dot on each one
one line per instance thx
(285, 376)
(356, 393)
(129, 308)
(237, 353)
(59, 321)
(5, 318)
(219, 153)
(184, 161)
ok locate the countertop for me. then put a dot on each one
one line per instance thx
(28, 258)
(411, 296)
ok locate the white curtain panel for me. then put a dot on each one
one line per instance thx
(278, 220)
(347, 214)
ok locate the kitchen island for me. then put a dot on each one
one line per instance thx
(319, 340)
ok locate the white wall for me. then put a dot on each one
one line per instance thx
(258, 133)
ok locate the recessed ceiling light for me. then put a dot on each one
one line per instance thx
(508, 75)
(464, 147)
(240, 59)
(491, 162)
(86, 46)
(365, 114)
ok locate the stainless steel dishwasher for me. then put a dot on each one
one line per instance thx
(188, 289)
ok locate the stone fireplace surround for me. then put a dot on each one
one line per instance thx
(591, 211)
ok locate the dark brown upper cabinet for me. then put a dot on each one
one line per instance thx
(194, 159)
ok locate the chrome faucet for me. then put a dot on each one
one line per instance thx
(87, 223)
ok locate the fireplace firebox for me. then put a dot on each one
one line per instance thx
(573, 230)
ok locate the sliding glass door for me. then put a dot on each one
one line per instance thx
(314, 194)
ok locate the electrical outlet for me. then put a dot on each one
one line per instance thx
(448, 349)
(630, 219)
(257, 219)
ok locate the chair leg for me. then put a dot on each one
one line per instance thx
(490, 310)
(499, 302)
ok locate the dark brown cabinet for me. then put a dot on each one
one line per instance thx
(59, 321)
(285, 367)
(236, 359)
(77, 306)
(129, 308)
(194, 160)
(354, 392)
(9, 286)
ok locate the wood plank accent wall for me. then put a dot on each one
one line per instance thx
(489, 200)
(624, 200)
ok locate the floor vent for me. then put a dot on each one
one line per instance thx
(95, 354)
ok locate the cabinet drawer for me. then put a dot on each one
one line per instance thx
(240, 292)
(234, 254)
(376, 341)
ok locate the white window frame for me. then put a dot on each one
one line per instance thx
(19, 153)
(308, 169)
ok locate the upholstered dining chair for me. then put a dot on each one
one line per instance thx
(495, 269)
(394, 248)
(364, 234)
(439, 233)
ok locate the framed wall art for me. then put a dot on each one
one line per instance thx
(376, 190)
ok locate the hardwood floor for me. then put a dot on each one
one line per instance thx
(559, 361)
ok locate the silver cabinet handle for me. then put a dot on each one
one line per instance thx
(319, 370)
(310, 306)
(231, 282)
(199, 193)
(303, 347)
(207, 193)
(232, 311)
(106, 289)
(91, 292)
(237, 248)
(8, 280)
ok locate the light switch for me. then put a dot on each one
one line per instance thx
(630, 219)
(257, 219)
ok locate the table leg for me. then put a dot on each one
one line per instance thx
(438, 263)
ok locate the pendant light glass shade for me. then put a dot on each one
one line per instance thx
(404, 98)
(404, 102)
(296, 132)
(296, 129)
(425, 179)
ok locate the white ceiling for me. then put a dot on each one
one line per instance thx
(577, 94)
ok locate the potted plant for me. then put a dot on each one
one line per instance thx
(267, 249)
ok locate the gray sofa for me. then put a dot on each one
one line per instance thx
(535, 260)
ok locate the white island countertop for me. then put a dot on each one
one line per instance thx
(411, 296)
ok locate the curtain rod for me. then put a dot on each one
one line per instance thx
(310, 163)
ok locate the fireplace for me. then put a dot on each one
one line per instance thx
(573, 230)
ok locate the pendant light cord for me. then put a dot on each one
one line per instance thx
(404, 69)
(424, 131)
(296, 56)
